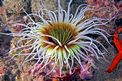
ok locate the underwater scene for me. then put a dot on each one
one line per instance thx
(60, 40)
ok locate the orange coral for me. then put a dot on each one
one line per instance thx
(118, 57)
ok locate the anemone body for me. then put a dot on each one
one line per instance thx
(60, 42)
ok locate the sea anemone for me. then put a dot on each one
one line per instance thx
(61, 41)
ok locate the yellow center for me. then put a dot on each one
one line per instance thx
(63, 32)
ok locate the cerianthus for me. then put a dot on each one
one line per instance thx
(61, 42)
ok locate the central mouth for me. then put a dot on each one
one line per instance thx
(63, 32)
